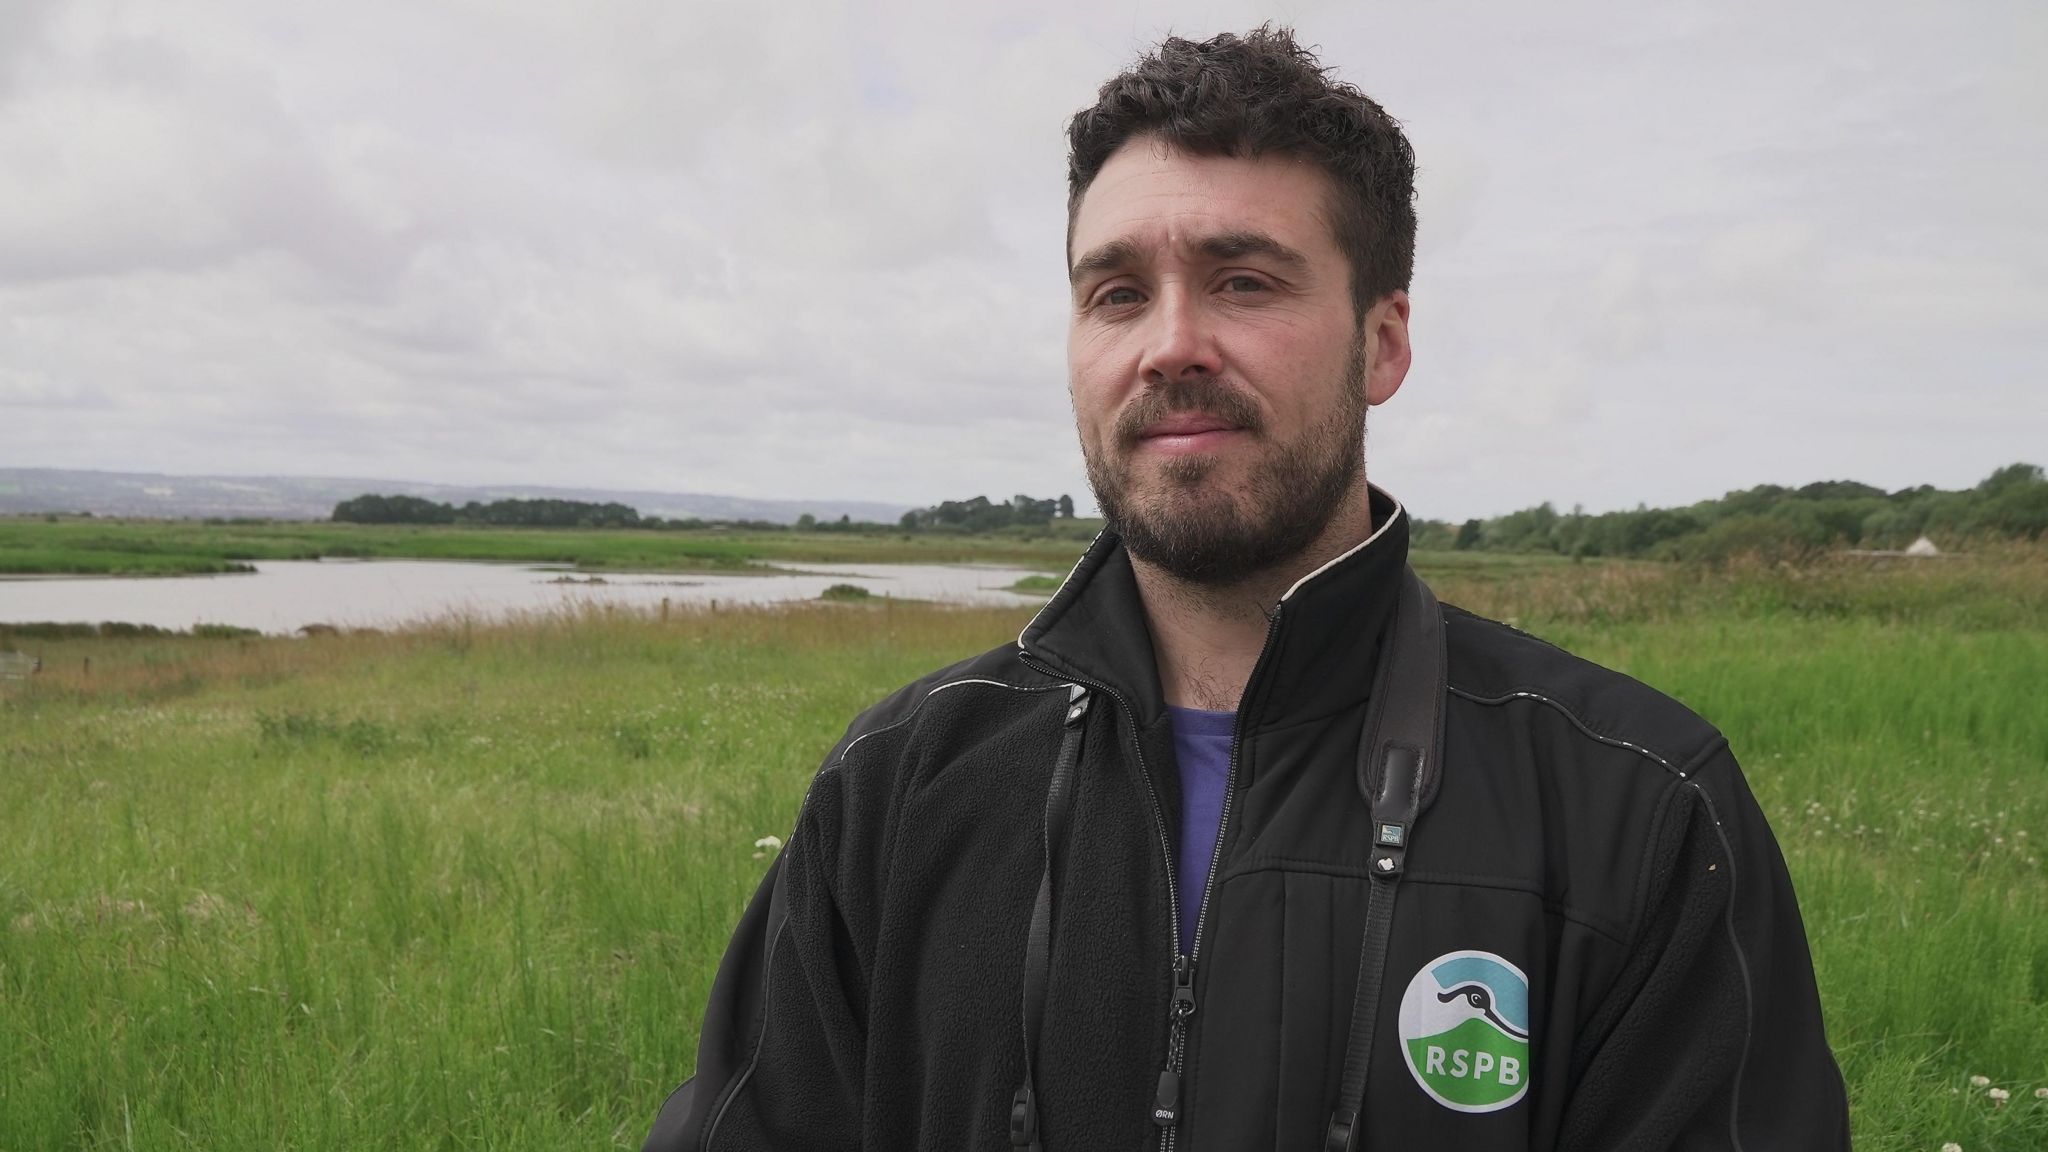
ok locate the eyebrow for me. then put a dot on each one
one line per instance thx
(1118, 255)
(1234, 245)
(1110, 257)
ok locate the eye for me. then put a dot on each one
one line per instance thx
(1244, 285)
(1118, 297)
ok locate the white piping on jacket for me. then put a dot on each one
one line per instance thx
(1399, 512)
(1355, 549)
(907, 717)
(1033, 622)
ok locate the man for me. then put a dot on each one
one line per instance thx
(1245, 843)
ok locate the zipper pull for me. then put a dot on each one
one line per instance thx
(1166, 1106)
(1077, 704)
(1166, 1103)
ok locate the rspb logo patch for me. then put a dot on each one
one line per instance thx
(1465, 1031)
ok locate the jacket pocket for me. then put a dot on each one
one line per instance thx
(1275, 1014)
(1275, 1008)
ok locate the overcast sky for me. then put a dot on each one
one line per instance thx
(781, 250)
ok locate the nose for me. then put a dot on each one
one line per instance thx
(1179, 341)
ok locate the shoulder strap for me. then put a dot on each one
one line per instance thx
(1400, 757)
(1406, 709)
(1059, 800)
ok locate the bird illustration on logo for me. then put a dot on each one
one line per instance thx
(1480, 997)
(1465, 1031)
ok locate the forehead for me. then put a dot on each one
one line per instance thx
(1155, 196)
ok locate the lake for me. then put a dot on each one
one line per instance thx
(282, 596)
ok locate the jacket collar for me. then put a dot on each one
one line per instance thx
(1320, 651)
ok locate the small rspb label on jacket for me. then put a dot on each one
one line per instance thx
(1465, 1031)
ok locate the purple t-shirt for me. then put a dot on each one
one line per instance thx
(1201, 743)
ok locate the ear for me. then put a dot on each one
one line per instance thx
(1387, 351)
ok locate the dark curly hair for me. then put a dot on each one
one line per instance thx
(1258, 94)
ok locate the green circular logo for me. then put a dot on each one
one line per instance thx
(1465, 1031)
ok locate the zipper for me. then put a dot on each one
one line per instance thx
(1180, 1018)
(1166, 1103)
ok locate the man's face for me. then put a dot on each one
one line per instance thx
(1219, 373)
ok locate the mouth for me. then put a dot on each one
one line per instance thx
(1184, 433)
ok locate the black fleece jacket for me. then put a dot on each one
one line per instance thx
(1596, 946)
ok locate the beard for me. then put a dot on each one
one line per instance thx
(1185, 524)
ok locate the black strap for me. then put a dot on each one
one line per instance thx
(1059, 799)
(1399, 767)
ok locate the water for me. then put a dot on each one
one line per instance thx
(283, 596)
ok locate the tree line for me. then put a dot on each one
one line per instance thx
(377, 509)
(975, 515)
(1770, 520)
(980, 514)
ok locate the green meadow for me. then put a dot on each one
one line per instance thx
(93, 546)
(466, 886)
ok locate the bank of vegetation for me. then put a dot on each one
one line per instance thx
(1770, 521)
(1025, 531)
(99, 546)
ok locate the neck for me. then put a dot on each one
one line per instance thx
(1206, 638)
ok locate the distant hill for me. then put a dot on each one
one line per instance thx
(33, 490)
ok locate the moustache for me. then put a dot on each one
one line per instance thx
(1206, 394)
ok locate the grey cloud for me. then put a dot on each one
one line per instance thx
(795, 250)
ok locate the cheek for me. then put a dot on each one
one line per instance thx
(1299, 379)
(1093, 350)
(1094, 380)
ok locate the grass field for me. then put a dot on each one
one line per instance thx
(466, 887)
(35, 545)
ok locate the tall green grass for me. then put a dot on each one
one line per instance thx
(466, 887)
(461, 888)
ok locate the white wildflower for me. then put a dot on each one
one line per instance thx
(1951, 1146)
(1980, 1081)
(2041, 1093)
(1999, 1096)
(765, 845)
